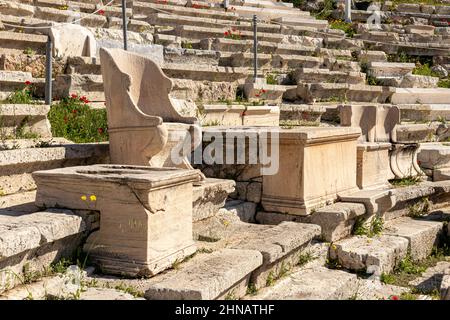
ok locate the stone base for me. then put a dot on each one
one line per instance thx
(125, 266)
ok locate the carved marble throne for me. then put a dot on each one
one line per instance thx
(143, 122)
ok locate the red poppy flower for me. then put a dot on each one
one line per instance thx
(74, 111)
(100, 130)
(101, 12)
(395, 298)
(27, 83)
(74, 96)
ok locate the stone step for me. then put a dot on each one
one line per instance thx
(280, 245)
(11, 81)
(145, 8)
(162, 19)
(198, 33)
(266, 93)
(270, 13)
(421, 96)
(319, 283)
(237, 115)
(229, 45)
(424, 112)
(434, 156)
(23, 119)
(422, 235)
(31, 242)
(445, 285)
(20, 42)
(390, 69)
(204, 72)
(303, 22)
(341, 92)
(301, 113)
(83, 7)
(18, 204)
(17, 165)
(311, 75)
(413, 133)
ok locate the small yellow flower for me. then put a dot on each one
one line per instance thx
(333, 247)
(93, 198)
(84, 198)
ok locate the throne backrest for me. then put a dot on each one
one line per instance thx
(134, 81)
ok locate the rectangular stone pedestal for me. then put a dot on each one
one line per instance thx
(373, 165)
(145, 213)
(315, 164)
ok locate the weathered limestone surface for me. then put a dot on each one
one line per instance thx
(422, 234)
(337, 220)
(35, 240)
(157, 227)
(210, 278)
(375, 255)
(445, 286)
(317, 283)
(72, 40)
(371, 165)
(137, 106)
(377, 122)
(376, 201)
(434, 155)
(328, 166)
(17, 164)
(210, 196)
(29, 118)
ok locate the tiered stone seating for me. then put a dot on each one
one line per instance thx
(308, 73)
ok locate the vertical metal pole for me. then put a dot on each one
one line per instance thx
(255, 47)
(48, 71)
(348, 11)
(124, 22)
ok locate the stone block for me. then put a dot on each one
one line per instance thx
(434, 155)
(210, 278)
(315, 164)
(313, 284)
(421, 96)
(445, 286)
(375, 201)
(146, 213)
(421, 234)
(375, 255)
(413, 133)
(246, 211)
(210, 196)
(377, 122)
(373, 168)
(337, 220)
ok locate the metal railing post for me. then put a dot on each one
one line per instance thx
(255, 47)
(48, 71)
(124, 23)
(348, 11)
